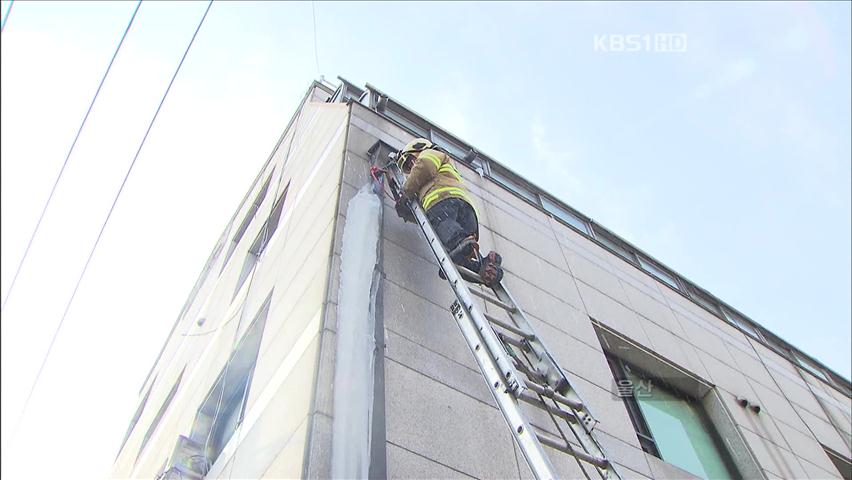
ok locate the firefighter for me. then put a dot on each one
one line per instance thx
(433, 179)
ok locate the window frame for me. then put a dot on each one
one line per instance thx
(659, 272)
(204, 425)
(262, 240)
(249, 217)
(740, 322)
(615, 245)
(455, 149)
(810, 367)
(164, 407)
(705, 300)
(136, 416)
(643, 431)
(838, 459)
(398, 115)
(505, 178)
(640, 425)
(558, 212)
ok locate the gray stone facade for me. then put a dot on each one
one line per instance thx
(434, 417)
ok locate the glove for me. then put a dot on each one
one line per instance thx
(404, 211)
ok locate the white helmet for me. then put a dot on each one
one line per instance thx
(406, 156)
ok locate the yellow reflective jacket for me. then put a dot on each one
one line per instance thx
(434, 178)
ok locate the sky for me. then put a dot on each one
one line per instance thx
(729, 161)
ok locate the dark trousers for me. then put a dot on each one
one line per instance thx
(454, 220)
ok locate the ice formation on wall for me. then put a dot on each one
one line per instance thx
(356, 345)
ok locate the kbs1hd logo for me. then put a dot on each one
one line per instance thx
(648, 42)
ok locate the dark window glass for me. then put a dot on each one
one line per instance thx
(252, 211)
(224, 407)
(844, 466)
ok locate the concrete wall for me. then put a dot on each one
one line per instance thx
(440, 420)
(294, 269)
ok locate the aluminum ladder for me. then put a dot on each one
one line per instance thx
(516, 364)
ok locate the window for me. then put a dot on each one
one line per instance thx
(670, 425)
(704, 300)
(275, 216)
(503, 179)
(262, 240)
(162, 411)
(564, 215)
(248, 266)
(136, 416)
(223, 409)
(454, 149)
(741, 322)
(613, 244)
(844, 466)
(811, 367)
(658, 272)
(379, 152)
(406, 122)
(252, 211)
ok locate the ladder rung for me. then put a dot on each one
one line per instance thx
(548, 392)
(511, 328)
(469, 275)
(536, 402)
(512, 341)
(489, 298)
(563, 446)
(532, 375)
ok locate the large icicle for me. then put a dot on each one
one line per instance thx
(356, 345)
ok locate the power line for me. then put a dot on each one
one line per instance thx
(316, 56)
(103, 227)
(67, 156)
(8, 10)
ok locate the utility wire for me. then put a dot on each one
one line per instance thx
(316, 55)
(67, 156)
(100, 234)
(8, 10)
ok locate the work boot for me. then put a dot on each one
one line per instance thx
(490, 270)
(461, 255)
(464, 250)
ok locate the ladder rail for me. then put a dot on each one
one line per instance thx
(495, 364)
(568, 396)
(492, 354)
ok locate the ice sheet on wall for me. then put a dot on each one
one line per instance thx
(356, 346)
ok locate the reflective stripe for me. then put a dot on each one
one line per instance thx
(434, 158)
(429, 199)
(448, 168)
